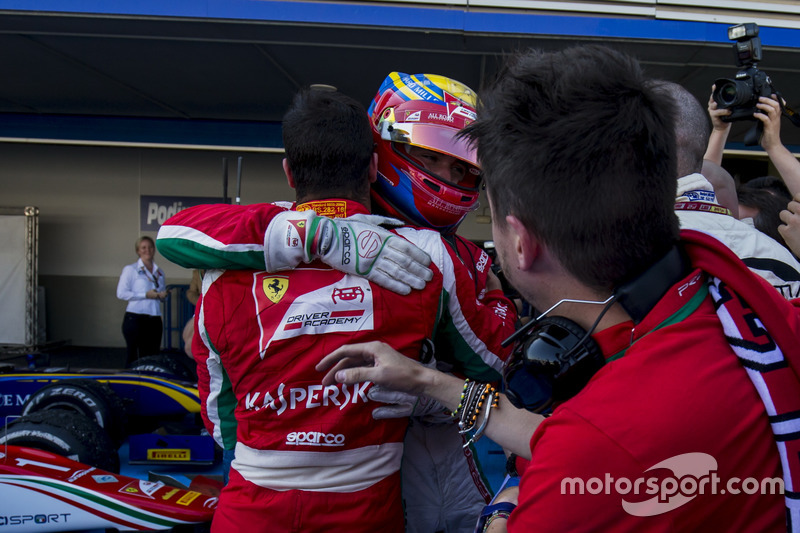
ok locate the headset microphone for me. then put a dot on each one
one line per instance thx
(555, 357)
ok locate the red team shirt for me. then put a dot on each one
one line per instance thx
(677, 399)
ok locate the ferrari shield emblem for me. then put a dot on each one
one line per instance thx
(275, 288)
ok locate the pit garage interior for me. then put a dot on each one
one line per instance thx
(108, 108)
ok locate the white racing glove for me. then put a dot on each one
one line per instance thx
(355, 245)
(402, 404)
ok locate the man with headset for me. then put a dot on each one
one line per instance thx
(672, 369)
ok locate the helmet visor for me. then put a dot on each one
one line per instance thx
(432, 137)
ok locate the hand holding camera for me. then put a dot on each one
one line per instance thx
(769, 113)
(717, 113)
(740, 95)
(748, 95)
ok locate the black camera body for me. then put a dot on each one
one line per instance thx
(741, 94)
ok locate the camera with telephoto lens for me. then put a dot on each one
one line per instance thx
(741, 94)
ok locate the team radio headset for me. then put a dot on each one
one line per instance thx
(555, 358)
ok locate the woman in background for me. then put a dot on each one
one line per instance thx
(143, 286)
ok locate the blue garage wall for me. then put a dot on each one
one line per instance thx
(452, 18)
(260, 136)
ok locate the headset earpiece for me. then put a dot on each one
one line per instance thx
(558, 358)
(563, 350)
(555, 358)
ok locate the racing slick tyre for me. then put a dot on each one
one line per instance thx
(172, 365)
(88, 397)
(66, 433)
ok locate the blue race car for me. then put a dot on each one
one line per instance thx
(39, 406)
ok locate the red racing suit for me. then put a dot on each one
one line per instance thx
(283, 386)
(443, 485)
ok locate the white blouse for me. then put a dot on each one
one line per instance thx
(134, 282)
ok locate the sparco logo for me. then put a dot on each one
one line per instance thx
(369, 244)
(314, 438)
(481, 264)
(345, 246)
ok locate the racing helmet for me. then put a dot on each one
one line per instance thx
(424, 111)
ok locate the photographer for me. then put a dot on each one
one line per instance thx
(770, 116)
(751, 96)
(697, 203)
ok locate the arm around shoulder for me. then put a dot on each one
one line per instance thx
(217, 236)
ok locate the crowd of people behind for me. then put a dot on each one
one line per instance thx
(766, 200)
(353, 359)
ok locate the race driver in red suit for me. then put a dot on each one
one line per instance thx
(312, 458)
(429, 177)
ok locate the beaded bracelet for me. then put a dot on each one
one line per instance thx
(494, 516)
(476, 398)
(491, 402)
(457, 410)
(473, 402)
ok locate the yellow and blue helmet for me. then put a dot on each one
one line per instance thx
(424, 111)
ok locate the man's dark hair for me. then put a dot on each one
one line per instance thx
(769, 206)
(772, 184)
(577, 145)
(692, 127)
(328, 144)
